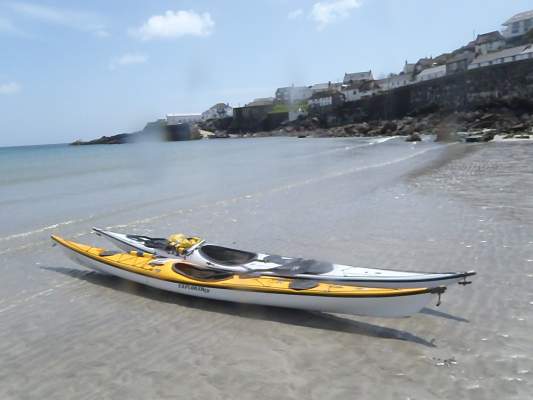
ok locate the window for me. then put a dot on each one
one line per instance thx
(528, 24)
(516, 26)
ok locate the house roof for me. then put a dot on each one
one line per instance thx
(425, 61)
(433, 70)
(395, 78)
(489, 37)
(513, 51)
(361, 85)
(320, 86)
(465, 55)
(358, 76)
(519, 17)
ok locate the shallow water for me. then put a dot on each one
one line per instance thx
(67, 332)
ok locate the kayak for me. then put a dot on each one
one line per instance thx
(211, 256)
(185, 278)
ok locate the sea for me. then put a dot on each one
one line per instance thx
(67, 332)
(44, 188)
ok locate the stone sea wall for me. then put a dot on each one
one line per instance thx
(505, 84)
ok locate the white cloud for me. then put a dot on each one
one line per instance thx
(295, 13)
(79, 20)
(9, 88)
(175, 24)
(329, 12)
(128, 59)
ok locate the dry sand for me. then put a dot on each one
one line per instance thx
(82, 335)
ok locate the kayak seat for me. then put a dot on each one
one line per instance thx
(190, 271)
(302, 284)
(226, 256)
(154, 243)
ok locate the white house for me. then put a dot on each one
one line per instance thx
(176, 119)
(394, 81)
(293, 94)
(357, 76)
(518, 25)
(489, 42)
(218, 111)
(503, 56)
(358, 90)
(431, 73)
(326, 99)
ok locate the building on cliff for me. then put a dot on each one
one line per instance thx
(489, 42)
(218, 111)
(321, 87)
(293, 94)
(503, 56)
(357, 76)
(409, 68)
(325, 100)
(459, 62)
(518, 25)
(435, 72)
(394, 81)
(359, 89)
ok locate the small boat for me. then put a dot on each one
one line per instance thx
(186, 278)
(211, 256)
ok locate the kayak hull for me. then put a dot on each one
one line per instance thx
(400, 305)
(343, 274)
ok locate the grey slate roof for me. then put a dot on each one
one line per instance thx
(519, 17)
(358, 76)
(489, 37)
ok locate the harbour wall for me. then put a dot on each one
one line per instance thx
(505, 84)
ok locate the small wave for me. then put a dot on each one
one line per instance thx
(40, 230)
(382, 140)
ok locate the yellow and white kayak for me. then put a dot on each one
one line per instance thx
(186, 278)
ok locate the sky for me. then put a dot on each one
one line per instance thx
(78, 69)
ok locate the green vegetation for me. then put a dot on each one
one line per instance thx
(280, 108)
(285, 108)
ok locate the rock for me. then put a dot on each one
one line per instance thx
(373, 132)
(388, 127)
(414, 137)
(518, 127)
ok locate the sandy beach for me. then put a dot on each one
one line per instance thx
(67, 332)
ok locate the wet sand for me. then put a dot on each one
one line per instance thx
(71, 333)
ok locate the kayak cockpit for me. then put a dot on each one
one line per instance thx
(192, 272)
(153, 243)
(226, 256)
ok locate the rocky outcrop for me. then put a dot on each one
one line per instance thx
(454, 126)
(153, 131)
